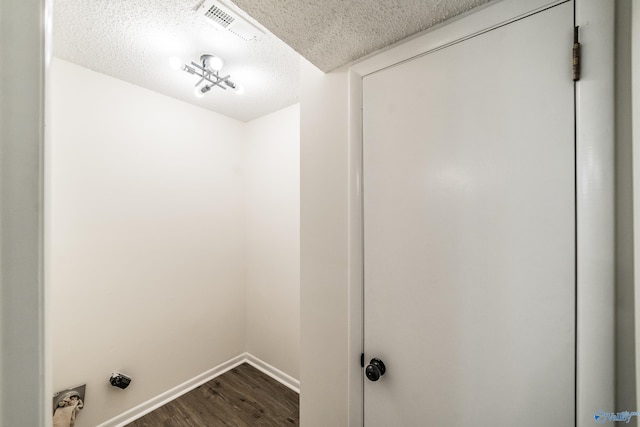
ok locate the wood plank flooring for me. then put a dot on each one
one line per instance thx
(244, 396)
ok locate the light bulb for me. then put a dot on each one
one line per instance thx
(198, 92)
(213, 63)
(175, 63)
(239, 89)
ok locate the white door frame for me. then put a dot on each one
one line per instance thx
(594, 199)
(25, 368)
(635, 84)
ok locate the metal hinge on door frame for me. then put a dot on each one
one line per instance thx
(576, 55)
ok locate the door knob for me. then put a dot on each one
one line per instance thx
(375, 369)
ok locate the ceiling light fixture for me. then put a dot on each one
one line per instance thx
(208, 70)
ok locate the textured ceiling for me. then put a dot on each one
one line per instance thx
(132, 40)
(332, 33)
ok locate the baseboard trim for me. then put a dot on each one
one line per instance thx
(166, 397)
(273, 372)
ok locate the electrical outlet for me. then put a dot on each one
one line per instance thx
(120, 380)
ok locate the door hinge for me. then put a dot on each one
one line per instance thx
(362, 360)
(576, 55)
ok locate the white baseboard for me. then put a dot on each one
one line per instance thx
(166, 397)
(273, 372)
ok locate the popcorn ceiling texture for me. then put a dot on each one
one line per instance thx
(132, 40)
(333, 33)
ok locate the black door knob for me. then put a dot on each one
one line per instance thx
(375, 369)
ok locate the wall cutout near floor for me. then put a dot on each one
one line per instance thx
(146, 241)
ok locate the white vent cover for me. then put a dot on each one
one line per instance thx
(224, 18)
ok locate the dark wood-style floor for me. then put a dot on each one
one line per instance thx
(244, 396)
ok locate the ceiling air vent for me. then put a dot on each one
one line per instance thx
(223, 17)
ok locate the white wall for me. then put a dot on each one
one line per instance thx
(272, 186)
(147, 240)
(324, 274)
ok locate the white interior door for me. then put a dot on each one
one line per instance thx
(469, 229)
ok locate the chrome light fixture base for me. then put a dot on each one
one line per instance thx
(208, 69)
